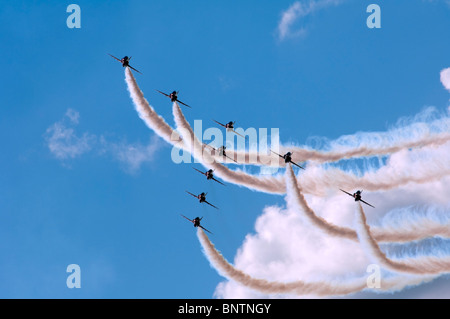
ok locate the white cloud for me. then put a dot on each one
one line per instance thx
(65, 143)
(445, 78)
(62, 140)
(295, 12)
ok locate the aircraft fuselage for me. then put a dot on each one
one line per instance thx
(173, 96)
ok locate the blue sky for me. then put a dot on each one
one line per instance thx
(112, 203)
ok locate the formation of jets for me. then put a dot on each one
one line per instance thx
(221, 151)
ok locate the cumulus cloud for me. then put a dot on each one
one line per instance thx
(65, 143)
(445, 78)
(297, 11)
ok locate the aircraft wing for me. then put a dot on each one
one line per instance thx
(199, 171)
(347, 192)
(205, 229)
(163, 93)
(187, 218)
(183, 103)
(115, 58)
(134, 69)
(215, 150)
(277, 154)
(366, 203)
(231, 158)
(297, 165)
(238, 133)
(219, 123)
(210, 204)
(192, 194)
(219, 181)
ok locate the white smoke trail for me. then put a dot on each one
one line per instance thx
(156, 122)
(400, 234)
(421, 265)
(429, 128)
(299, 287)
(147, 113)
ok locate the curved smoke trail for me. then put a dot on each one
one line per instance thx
(294, 191)
(299, 287)
(419, 266)
(303, 154)
(157, 123)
